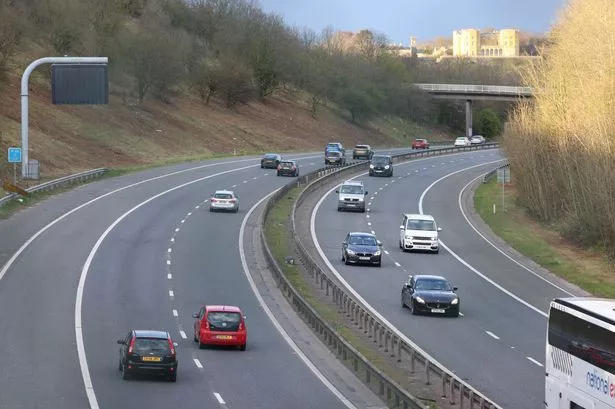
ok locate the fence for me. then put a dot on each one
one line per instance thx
(456, 390)
(491, 174)
(61, 182)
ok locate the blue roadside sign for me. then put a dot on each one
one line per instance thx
(14, 155)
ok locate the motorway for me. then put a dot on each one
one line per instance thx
(498, 343)
(141, 251)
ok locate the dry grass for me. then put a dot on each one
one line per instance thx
(67, 139)
(561, 144)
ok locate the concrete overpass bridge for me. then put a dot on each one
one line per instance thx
(471, 93)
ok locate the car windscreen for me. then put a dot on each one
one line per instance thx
(428, 284)
(146, 345)
(362, 241)
(223, 196)
(271, 156)
(425, 225)
(380, 160)
(334, 153)
(223, 320)
(351, 190)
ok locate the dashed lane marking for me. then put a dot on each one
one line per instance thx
(189, 214)
(172, 239)
(373, 232)
(171, 293)
(168, 262)
(234, 186)
(397, 264)
(198, 363)
(197, 206)
(176, 230)
(175, 313)
(219, 398)
(534, 361)
(183, 221)
(182, 334)
(386, 252)
(169, 276)
(492, 335)
(169, 249)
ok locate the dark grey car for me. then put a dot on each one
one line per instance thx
(362, 248)
(430, 294)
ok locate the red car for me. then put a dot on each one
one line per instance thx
(223, 325)
(420, 144)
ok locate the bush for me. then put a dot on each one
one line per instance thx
(488, 124)
(561, 144)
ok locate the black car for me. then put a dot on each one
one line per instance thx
(335, 158)
(148, 352)
(288, 168)
(381, 165)
(362, 248)
(430, 294)
(271, 161)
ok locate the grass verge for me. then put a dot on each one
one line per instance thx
(588, 269)
(278, 236)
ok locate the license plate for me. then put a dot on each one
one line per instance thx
(439, 311)
(151, 358)
(364, 258)
(224, 337)
(422, 247)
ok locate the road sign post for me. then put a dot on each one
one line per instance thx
(25, 80)
(503, 178)
(14, 156)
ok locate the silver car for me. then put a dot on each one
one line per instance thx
(224, 200)
(351, 196)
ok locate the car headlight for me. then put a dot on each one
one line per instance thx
(434, 239)
(361, 199)
(408, 237)
(386, 167)
(455, 301)
(371, 166)
(420, 300)
(377, 253)
(349, 251)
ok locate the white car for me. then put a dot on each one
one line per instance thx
(462, 141)
(225, 200)
(419, 232)
(477, 140)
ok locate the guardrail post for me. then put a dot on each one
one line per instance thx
(366, 323)
(327, 287)
(412, 359)
(452, 391)
(380, 336)
(427, 372)
(386, 341)
(375, 334)
(368, 375)
(399, 342)
(393, 339)
(361, 315)
(444, 385)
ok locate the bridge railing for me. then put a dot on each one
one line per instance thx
(476, 89)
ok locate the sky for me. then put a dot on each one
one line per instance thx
(424, 19)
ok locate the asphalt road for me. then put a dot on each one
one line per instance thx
(128, 286)
(498, 344)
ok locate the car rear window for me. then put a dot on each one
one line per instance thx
(145, 345)
(223, 320)
(287, 164)
(271, 156)
(361, 147)
(223, 196)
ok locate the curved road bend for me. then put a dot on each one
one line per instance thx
(504, 335)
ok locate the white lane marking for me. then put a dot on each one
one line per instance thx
(171, 293)
(380, 188)
(255, 177)
(462, 261)
(168, 262)
(234, 186)
(169, 249)
(197, 206)
(189, 214)
(369, 204)
(169, 276)
(219, 398)
(424, 168)
(492, 335)
(198, 363)
(172, 239)
(183, 221)
(206, 200)
(175, 313)
(386, 184)
(245, 181)
(375, 193)
(371, 198)
(267, 174)
(397, 264)
(182, 334)
(386, 252)
(276, 324)
(357, 296)
(369, 223)
(373, 232)
(534, 361)
(497, 248)
(367, 215)
(176, 230)
(368, 209)
(83, 363)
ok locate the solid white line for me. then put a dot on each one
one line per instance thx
(397, 264)
(274, 321)
(497, 248)
(534, 361)
(182, 334)
(171, 293)
(169, 276)
(356, 295)
(198, 363)
(175, 313)
(462, 261)
(219, 398)
(492, 335)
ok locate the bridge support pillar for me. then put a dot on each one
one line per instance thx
(469, 118)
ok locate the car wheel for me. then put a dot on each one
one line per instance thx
(401, 246)
(195, 338)
(211, 209)
(242, 347)
(412, 309)
(371, 174)
(236, 210)
(277, 174)
(119, 367)
(125, 374)
(343, 258)
(339, 209)
(379, 264)
(454, 313)
(172, 377)
(201, 345)
(346, 261)
(437, 251)
(403, 304)
(363, 210)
